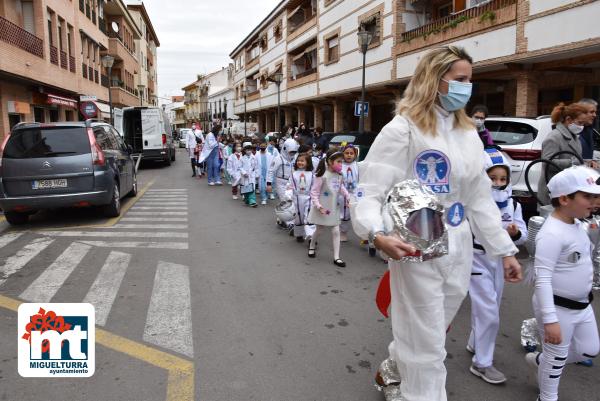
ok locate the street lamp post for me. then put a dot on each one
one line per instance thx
(245, 94)
(364, 40)
(107, 62)
(278, 79)
(140, 93)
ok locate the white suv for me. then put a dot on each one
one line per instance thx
(521, 142)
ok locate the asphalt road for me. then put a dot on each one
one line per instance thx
(201, 277)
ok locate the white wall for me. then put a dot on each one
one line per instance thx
(538, 6)
(573, 25)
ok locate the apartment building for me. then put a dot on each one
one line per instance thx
(528, 54)
(123, 33)
(195, 99)
(146, 79)
(220, 96)
(50, 56)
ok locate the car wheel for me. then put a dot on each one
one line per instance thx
(134, 188)
(173, 155)
(113, 209)
(167, 160)
(16, 218)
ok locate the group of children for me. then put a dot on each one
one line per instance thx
(314, 188)
(563, 278)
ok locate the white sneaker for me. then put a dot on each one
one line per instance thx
(212, 184)
(272, 197)
(235, 197)
(470, 349)
(263, 202)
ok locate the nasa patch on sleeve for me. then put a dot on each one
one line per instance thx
(455, 214)
(432, 168)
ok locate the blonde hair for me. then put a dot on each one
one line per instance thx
(419, 99)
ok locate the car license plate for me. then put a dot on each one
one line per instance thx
(48, 184)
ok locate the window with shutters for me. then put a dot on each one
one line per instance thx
(332, 47)
(278, 31)
(28, 18)
(303, 61)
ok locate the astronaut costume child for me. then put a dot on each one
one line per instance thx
(298, 190)
(487, 278)
(350, 178)
(427, 295)
(563, 286)
(281, 169)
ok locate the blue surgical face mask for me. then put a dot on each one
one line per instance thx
(458, 95)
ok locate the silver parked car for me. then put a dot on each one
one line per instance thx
(46, 166)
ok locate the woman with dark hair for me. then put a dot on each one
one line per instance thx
(570, 121)
(479, 114)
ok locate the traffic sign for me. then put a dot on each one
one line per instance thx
(88, 109)
(88, 98)
(358, 108)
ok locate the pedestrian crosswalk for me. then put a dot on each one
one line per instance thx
(104, 262)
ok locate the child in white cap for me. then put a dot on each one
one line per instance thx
(563, 284)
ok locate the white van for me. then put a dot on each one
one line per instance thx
(148, 131)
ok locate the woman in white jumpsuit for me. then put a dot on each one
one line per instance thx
(432, 140)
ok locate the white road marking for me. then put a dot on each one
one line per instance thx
(146, 219)
(160, 203)
(103, 292)
(136, 244)
(165, 196)
(16, 262)
(113, 234)
(169, 321)
(8, 238)
(133, 213)
(154, 226)
(150, 191)
(48, 283)
(155, 208)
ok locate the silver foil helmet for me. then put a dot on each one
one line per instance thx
(413, 212)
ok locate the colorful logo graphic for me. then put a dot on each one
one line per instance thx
(432, 168)
(56, 340)
(456, 214)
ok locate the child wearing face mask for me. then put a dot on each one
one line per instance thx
(263, 162)
(298, 190)
(248, 173)
(479, 114)
(234, 169)
(487, 275)
(350, 179)
(325, 210)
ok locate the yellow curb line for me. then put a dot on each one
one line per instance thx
(180, 380)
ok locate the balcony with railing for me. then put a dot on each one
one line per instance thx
(493, 14)
(19, 37)
(53, 55)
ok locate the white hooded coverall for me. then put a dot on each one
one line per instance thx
(487, 276)
(427, 295)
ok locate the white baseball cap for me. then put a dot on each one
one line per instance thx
(574, 179)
